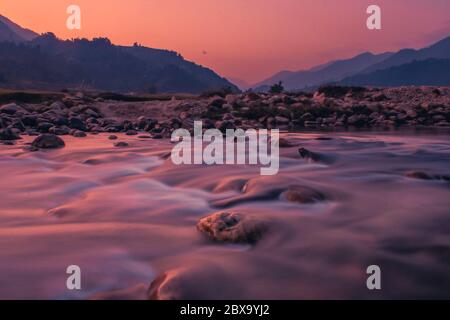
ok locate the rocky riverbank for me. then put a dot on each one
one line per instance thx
(329, 107)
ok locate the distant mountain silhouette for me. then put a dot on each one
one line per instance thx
(6, 34)
(20, 33)
(432, 72)
(329, 72)
(45, 62)
(360, 70)
(242, 84)
(439, 50)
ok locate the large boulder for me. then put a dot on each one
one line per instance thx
(11, 109)
(232, 227)
(77, 123)
(58, 105)
(44, 127)
(60, 121)
(60, 131)
(8, 134)
(48, 141)
(29, 120)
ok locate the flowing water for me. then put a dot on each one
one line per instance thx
(126, 215)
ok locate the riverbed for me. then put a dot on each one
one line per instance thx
(127, 215)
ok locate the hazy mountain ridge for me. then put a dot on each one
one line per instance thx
(6, 34)
(439, 50)
(46, 62)
(329, 72)
(432, 72)
(365, 69)
(22, 33)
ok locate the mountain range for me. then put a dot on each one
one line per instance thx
(32, 61)
(9, 31)
(405, 67)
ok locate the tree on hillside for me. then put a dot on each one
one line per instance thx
(277, 88)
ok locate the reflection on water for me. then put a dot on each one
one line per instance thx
(126, 215)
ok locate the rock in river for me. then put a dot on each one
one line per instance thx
(48, 141)
(8, 134)
(121, 144)
(302, 195)
(232, 227)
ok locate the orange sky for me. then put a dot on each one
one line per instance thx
(246, 39)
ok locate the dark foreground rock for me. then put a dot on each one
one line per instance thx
(8, 134)
(11, 109)
(48, 141)
(232, 227)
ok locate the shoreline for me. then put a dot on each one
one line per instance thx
(329, 109)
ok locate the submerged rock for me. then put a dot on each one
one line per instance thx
(284, 143)
(232, 227)
(112, 137)
(196, 281)
(309, 155)
(324, 138)
(264, 188)
(48, 141)
(137, 292)
(302, 194)
(157, 136)
(30, 148)
(121, 144)
(418, 175)
(425, 176)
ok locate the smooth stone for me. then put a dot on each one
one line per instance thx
(48, 141)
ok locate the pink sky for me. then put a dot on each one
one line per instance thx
(246, 39)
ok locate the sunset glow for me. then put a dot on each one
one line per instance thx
(246, 39)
